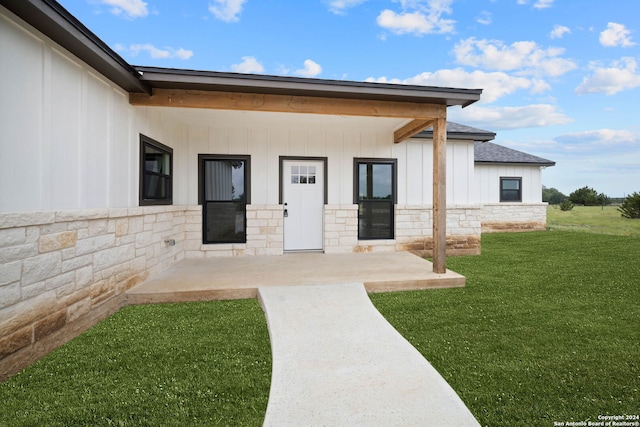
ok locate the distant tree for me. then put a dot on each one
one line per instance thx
(552, 196)
(587, 196)
(630, 207)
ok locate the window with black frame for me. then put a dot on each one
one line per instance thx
(224, 186)
(375, 195)
(156, 163)
(510, 189)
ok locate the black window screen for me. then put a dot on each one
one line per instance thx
(510, 189)
(224, 199)
(156, 162)
(375, 183)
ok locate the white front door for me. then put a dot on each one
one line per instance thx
(303, 203)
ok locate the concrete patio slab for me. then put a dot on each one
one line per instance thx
(239, 277)
(338, 362)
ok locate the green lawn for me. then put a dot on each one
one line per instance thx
(155, 365)
(547, 329)
(592, 219)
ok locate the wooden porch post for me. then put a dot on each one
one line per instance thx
(439, 196)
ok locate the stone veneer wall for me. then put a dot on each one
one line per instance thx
(264, 234)
(413, 230)
(63, 271)
(510, 217)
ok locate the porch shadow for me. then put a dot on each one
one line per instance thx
(239, 277)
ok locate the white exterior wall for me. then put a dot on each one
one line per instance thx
(487, 182)
(530, 214)
(67, 139)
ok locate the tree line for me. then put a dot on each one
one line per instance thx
(587, 196)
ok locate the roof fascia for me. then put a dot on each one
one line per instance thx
(54, 21)
(488, 163)
(470, 136)
(167, 78)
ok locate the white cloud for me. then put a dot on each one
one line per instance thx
(339, 7)
(484, 18)
(621, 75)
(501, 118)
(539, 4)
(226, 10)
(559, 31)
(249, 65)
(418, 17)
(130, 8)
(311, 69)
(543, 4)
(526, 57)
(495, 84)
(616, 35)
(600, 137)
(154, 52)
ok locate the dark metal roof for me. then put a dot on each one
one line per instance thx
(53, 20)
(170, 78)
(49, 17)
(488, 152)
(458, 131)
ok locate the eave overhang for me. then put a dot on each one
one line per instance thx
(544, 164)
(169, 78)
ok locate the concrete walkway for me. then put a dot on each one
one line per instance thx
(338, 362)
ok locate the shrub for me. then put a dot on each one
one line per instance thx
(630, 207)
(566, 205)
(589, 197)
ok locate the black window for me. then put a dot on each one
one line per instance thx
(156, 166)
(510, 189)
(224, 194)
(375, 195)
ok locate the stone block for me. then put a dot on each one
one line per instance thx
(41, 267)
(78, 309)
(49, 324)
(112, 256)
(61, 280)
(122, 227)
(57, 241)
(23, 219)
(98, 227)
(12, 236)
(15, 341)
(33, 234)
(11, 294)
(10, 272)
(33, 290)
(94, 244)
(101, 292)
(81, 215)
(16, 253)
(136, 224)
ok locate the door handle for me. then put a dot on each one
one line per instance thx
(286, 211)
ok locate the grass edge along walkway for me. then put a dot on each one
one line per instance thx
(545, 331)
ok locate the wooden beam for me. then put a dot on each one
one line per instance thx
(286, 104)
(440, 196)
(410, 129)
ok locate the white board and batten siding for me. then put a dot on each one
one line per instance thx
(487, 182)
(66, 140)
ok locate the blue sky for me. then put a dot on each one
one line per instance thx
(560, 77)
